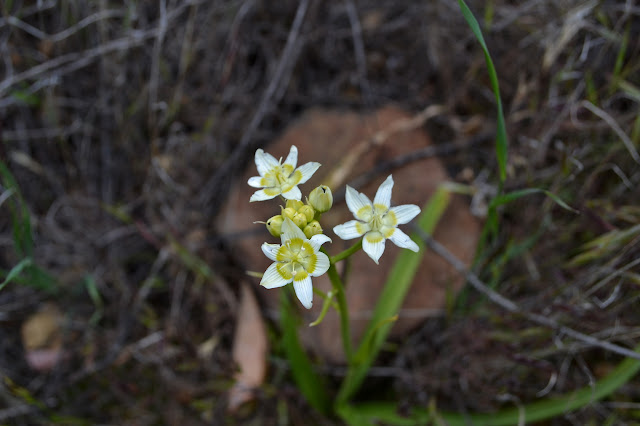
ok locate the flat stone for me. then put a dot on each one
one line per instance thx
(326, 137)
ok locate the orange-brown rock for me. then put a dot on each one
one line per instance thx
(326, 137)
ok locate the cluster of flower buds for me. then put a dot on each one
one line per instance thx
(304, 216)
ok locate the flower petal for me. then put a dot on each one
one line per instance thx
(373, 245)
(350, 230)
(256, 182)
(405, 213)
(293, 194)
(291, 231)
(318, 240)
(307, 171)
(292, 158)
(383, 196)
(402, 240)
(322, 265)
(304, 291)
(272, 278)
(264, 161)
(356, 200)
(270, 250)
(261, 195)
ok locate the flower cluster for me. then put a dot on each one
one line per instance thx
(298, 257)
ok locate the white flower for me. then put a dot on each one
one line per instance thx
(297, 259)
(277, 178)
(377, 221)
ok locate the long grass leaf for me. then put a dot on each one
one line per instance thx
(501, 132)
(312, 386)
(387, 413)
(391, 298)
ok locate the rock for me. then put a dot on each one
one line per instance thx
(326, 137)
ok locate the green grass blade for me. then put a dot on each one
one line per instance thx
(501, 132)
(386, 413)
(20, 217)
(16, 271)
(391, 298)
(512, 196)
(312, 386)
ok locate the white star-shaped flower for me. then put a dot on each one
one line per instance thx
(297, 259)
(377, 221)
(277, 178)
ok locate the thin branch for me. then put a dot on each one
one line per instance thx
(215, 188)
(512, 307)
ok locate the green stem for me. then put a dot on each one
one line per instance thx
(338, 289)
(348, 252)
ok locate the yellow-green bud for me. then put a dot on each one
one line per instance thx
(313, 228)
(321, 199)
(289, 212)
(294, 204)
(308, 212)
(300, 220)
(274, 225)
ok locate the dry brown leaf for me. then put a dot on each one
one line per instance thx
(42, 338)
(250, 348)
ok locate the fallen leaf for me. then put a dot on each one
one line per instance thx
(250, 348)
(42, 338)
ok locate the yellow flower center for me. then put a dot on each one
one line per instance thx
(379, 220)
(296, 259)
(280, 179)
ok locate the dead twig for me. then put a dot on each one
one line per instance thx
(339, 173)
(215, 188)
(512, 307)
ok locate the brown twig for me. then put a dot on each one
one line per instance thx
(512, 307)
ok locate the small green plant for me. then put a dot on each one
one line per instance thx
(299, 257)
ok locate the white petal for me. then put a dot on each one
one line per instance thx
(270, 250)
(304, 291)
(255, 182)
(318, 240)
(291, 231)
(402, 240)
(383, 196)
(292, 158)
(322, 265)
(272, 278)
(293, 194)
(261, 196)
(265, 162)
(405, 213)
(374, 250)
(349, 230)
(356, 200)
(307, 171)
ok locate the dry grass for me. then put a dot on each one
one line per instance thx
(123, 125)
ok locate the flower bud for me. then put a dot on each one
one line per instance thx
(299, 219)
(289, 212)
(274, 225)
(294, 204)
(308, 212)
(321, 199)
(313, 228)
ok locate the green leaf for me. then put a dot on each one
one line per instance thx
(391, 298)
(20, 217)
(501, 133)
(312, 386)
(512, 196)
(16, 270)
